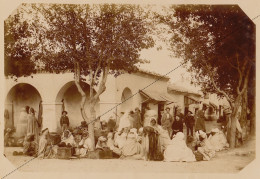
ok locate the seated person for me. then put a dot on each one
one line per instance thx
(205, 147)
(84, 145)
(218, 140)
(132, 149)
(120, 137)
(102, 143)
(83, 127)
(110, 140)
(178, 151)
(30, 147)
(67, 139)
(46, 149)
(8, 138)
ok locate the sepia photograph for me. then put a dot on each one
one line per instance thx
(128, 88)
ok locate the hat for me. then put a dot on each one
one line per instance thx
(167, 108)
(64, 112)
(216, 130)
(137, 109)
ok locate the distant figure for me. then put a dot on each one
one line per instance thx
(189, 122)
(177, 126)
(167, 121)
(137, 123)
(111, 124)
(125, 121)
(8, 122)
(64, 121)
(32, 124)
(132, 119)
(97, 124)
(21, 129)
(200, 120)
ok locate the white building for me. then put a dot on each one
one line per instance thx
(56, 91)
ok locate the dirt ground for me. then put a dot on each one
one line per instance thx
(228, 161)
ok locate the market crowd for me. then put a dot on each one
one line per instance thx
(132, 136)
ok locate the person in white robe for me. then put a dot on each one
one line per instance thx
(84, 145)
(218, 140)
(205, 147)
(178, 151)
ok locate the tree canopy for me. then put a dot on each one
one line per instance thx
(219, 43)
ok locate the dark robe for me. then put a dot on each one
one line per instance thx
(177, 126)
(154, 152)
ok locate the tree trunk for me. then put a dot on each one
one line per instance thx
(232, 140)
(92, 113)
(253, 120)
(243, 117)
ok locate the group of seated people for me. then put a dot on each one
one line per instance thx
(150, 142)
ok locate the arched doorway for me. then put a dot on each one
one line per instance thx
(127, 100)
(19, 96)
(69, 99)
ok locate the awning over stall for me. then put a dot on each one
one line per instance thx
(160, 97)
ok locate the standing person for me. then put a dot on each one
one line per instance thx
(111, 124)
(189, 122)
(167, 121)
(32, 124)
(64, 121)
(137, 119)
(22, 122)
(177, 126)
(200, 120)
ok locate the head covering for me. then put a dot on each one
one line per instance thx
(102, 139)
(141, 130)
(64, 112)
(132, 133)
(167, 108)
(110, 135)
(202, 134)
(134, 130)
(8, 130)
(190, 112)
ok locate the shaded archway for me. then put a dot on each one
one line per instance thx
(127, 100)
(69, 98)
(19, 96)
